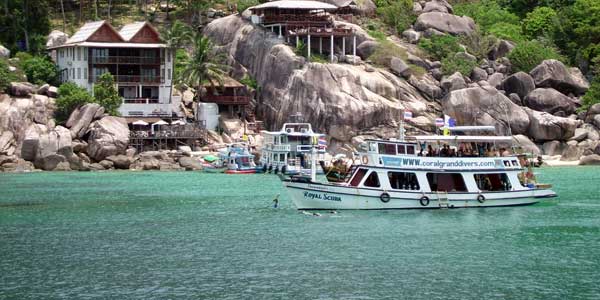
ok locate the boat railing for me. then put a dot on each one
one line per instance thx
(281, 147)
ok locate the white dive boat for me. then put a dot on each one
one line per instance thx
(289, 150)
(394, 174)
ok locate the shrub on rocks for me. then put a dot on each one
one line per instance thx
(397, 14)
(40, 70)
(70, 97)
(592, 96)
(458, 63)
(507, 31)
(527, 55)
(440, 46)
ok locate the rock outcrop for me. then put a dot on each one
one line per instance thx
(81, 118)
(108, 136)
(551, 101)
(342, 95)
(445, 22)
(553, 73)
(546, 127)
(520, 83)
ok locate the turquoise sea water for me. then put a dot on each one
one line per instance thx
(188, 235)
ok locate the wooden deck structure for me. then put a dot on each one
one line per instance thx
(307, 21)
(169, 137)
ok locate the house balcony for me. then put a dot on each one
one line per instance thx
(226, 100)
(133, 60)
(142, 79)
(140, 100)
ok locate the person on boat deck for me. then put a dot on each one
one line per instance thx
(504, 152)
(445, 151)
(430, 151)
(487, 184)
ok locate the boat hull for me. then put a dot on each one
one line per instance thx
(250, 171)
(309, 196)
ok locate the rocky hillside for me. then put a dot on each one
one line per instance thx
(349, 100)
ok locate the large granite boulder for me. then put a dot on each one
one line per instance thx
(596, 120)
(501, 49)
(7, 141)
(21, 89)
(4, 53)
(325, 94)
(495, 80)
(546, 127)
(552, 148)
(46, 148)
(437, 6)
(590, 160)
(553, 73)
(108, 136)
(81, 118)
(526, 144)
(190, 163)
(445, 22)
(366, 48)
(550, 101)
(427, 85)
(399, 67)
(486, 106)
(520, 83)
(453, 82)
(56, 38)
(120, 161)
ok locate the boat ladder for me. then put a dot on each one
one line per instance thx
(350, 172)
(443, 199)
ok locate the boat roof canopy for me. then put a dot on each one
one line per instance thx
(461, 138)
(471, 128)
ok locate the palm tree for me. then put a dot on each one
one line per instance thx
(205, 66)
(179, 35)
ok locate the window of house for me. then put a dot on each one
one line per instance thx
(78, 53)
(403, 181)
(372, 180)
(169, 74)
(73, 53)
(78, 73)
(447, 182)
(358, 177)
(85, 54)
(62, 52)
(493, 182)
(168, 55)
(85, 73)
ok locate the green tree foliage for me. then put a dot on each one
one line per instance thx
(242, 5)
(70, 96)
(25, 22)
(397, 14)
(205, 66)
(539, 22)
(181, 60)
(479, 44)
(529, 54)
(452, 64)
(178, 35)
(440, 46)
(106, 94)
(507, 31)
(39, 69)
(592, 96)
(4, 75)
(486, 13)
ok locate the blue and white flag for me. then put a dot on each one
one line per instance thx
(407, 115)
(322, 143)
(439, 122)
(449, 122)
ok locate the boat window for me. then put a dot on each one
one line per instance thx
(401, 149)
(358, 177)
(387, 149)
(403, 181)
(372, 180)
(373, 147)
(448, 182)
(493, 182)
(410, 149)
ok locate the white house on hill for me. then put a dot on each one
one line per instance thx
(140, 62)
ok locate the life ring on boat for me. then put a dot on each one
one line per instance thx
(424, 201)
(481, 198)
(365, 160)
(385, 197)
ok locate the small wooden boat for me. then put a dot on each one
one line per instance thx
(247, 171)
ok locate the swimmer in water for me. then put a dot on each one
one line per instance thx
(276, 201)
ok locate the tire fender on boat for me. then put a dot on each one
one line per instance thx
(424, 201)
(481, 198)
(385, 197)
(365, 160)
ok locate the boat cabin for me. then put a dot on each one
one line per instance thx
(292, 147)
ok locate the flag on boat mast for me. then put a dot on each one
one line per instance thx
(439, 122)
(448, 122)
(322, 143)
